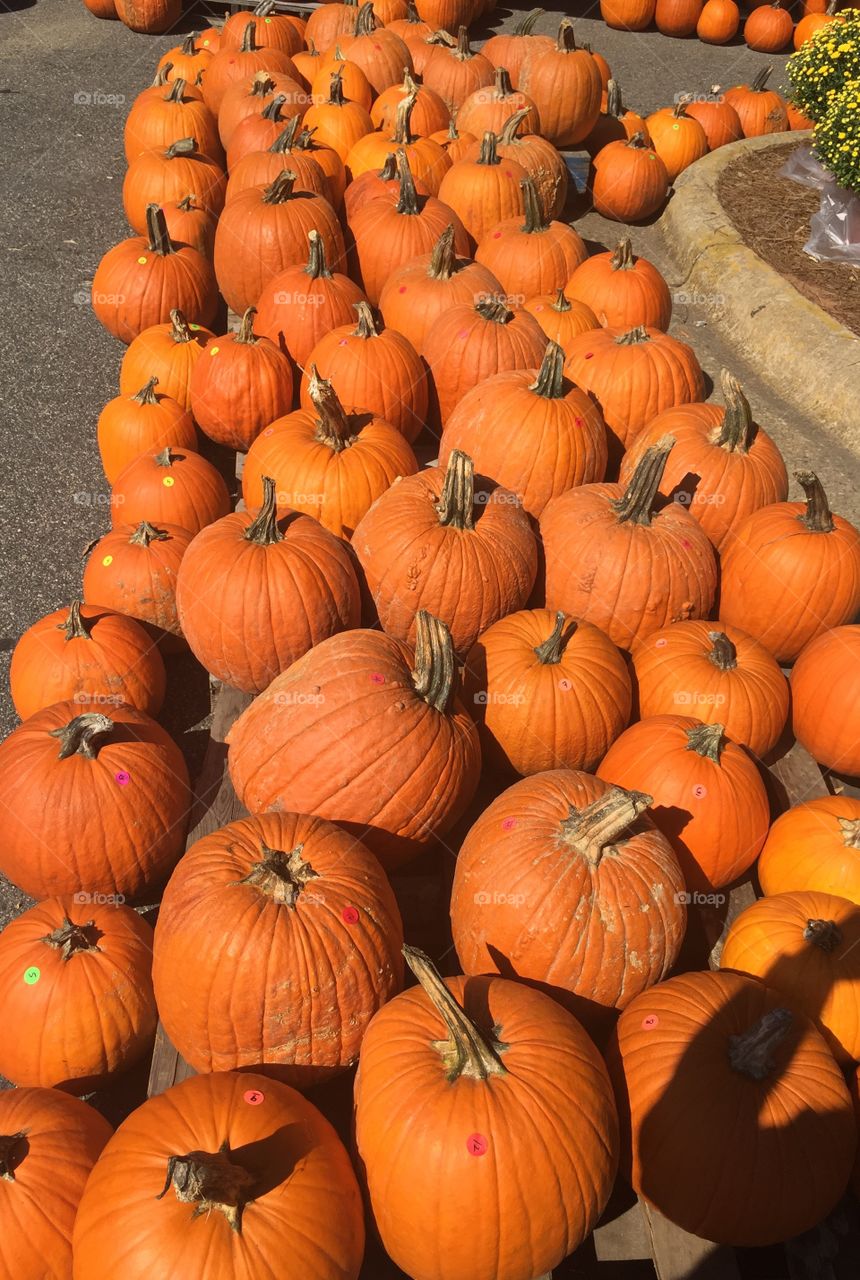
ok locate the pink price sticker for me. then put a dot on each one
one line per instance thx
(661, 644)
(350, 915)
(508, 824)
(253, 1097)
(699, 791)
(122, 778)
(649, 1023)
(477, 1144)
(376, 677)
(268, 431)
(565, 686)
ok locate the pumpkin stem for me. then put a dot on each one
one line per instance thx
(179, 330)
(637, 502)
(177, 89)
(592, 830)
(162, 75)
(453, 135)
(272, 110)
(188, 46)
(335, 93)
(434, 672)
(751, 1054)
(488, 153)
(511, 127)
(156, 231)
(210, 1180)
(407, 200)
(723, 654)
(286, 139)
(638, 142)
(550, 380)
(280, 876)
(494, 309)
(146, 533)
(850, 829)
(73, 626)
(825, 934)
(389, 168)
(706, 740)
(366, 327)
(181, 147)
(249, 39)
(525, 26)
(736, 430)
(261, 85)
(503, 86)
(614, 105)
(462, 51)
(622, 259)
(365, 22)
(466, 1051)
(552, 649)
(761, 79)
(562, 302)
(317, 267)
(79, 735)
(333, 428)
(443, 259)
(680, 111)
(409, 85)
(456, 503)
(817, 517)
(245, 332)
(264, 528)
(165, 458)
(70, 938)
(633, 337)
(403, 134)
(279, 191)
(146, 395)
(535, 218)
(11, 1154)
(264, 8)
(566, 42)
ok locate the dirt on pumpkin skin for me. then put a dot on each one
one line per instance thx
(772, 214)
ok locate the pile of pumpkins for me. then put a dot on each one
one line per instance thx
(768, 26)
(556, 654)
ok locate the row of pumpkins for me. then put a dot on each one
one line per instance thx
(529, 609)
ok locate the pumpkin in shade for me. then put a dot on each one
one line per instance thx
(468, 344)
(211, 1175)
(768, 1101)
(91, 800)
(568, 843)
(131, 425)
(260, 130)
(249, 97)
(805, 946)
(717, 117)
(274, 30)
(510, 48)
(629, 181)
(613, 558)
(327, 23)
(677, 17)
(615, 123)
(91, 1012)
(188, 223)
(155, 124)
(622, 289)
(490, 107)
(241, 384)
(368, 733)
(708, 798)
(538, 158)
(429, 114)
(261, 168)
(338, 122)
(796, 118)
(41, 1131)
(791, 571)
(720, 673)
(769, 28)
(134, 571)
(142, 280)
(101, 8)
(723, 466)
(427, 159)
(549, 692)
(372, 369)
(85, 654)
(167, 352)
(174, 486)
(149, 16)
(812, 22)
(418, 292)
(188, 60)
(815, 846)
(825, 685)
(718, 22)
(291, 895)
(380, 53)
(329, 161)
(456, 72)
(561, 318)
(536, 435)
(677, 137)
(565, 85)
(230, 66)
(760, 110)
(325, 462)
(169, 174)
(529, 253)
(484, 191)
(628, 15)
(503, 1074)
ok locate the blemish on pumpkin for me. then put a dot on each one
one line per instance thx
(508, 824)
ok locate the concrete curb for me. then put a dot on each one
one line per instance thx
(811, 361)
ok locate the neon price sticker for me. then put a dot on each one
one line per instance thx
(477, 1144)
(650, 1022)
(350, 915)
(253, 1097)
(32, 975)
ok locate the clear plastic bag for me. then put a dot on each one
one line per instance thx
(802, 166)
(834, 232)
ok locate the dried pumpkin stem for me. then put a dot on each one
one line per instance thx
(850, 829)
(188, 46)
(145, 533)
(736, 430)
(534, 214)
(503, 86)
(366, 327)
(817, 517)
(249, 39)
(462, 51)
(317, 267)
(79, 736)
(457, 501)
(562, 302)
(466, 1051)
(333, 427)
(365, 22)
(181, 147)
(164, 458)
(285, 141)
(761, 79)
(525, 26)
(488, 153)
(162, 75)
(723, 653)
(272, 110)
(70, 938)
(264, 8)
(566, 42)
(707, 740)
(179, 330)
(210, 1180)
(614, 105)
(280, 876)
(245, 333)
(592, 830)
(281, 190)
(552, 649)
(825, 934)
(262, 85)
(158, 240)
(637, 503)
(407, 200)
(638, 142)
(433, 677)
(11, 1154)
(74, 626)
(443, 259)
(550, 380)
(751, 1054)
(633, 337)
(510, 128)
(335, 93)
(264, 528)
(622, 259)
(494, 309)
(403, 134)
(146, 395)
(177, 89)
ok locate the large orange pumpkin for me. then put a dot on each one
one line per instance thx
(616, 123)
(133, 570)
(428, 160)
(174, 486)
(677, 137)
(628, 15)
(153, 124)
(629, 181)
(717, 117)
(167, 352)
(484, 191)
(367, 733)
(565, 85)
(815, 846)
(769, 28)
(825, 687)
(275, 30)
(231, 65)
(261, 168)
(531, 254)
(718, 23)
(489, 108)
(381, 54)
(336, 120)
(677, 17)
(188, 223)
(760, 110)
(510, 48)
(542, 162)
(189, 59)
(260, 130)
(149, 16)
(169, 173)
(455, 72)
(812, 22)
(429, 113)
(622, 289)
(131, 425)
(92, 803)
(249, 97)
(76, 983)
(506, 1080)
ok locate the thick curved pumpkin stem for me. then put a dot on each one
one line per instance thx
(503, 86)
(403, 134)
(850, 829)
(817, 517)
(433, 676)
(409, 85)
(366, 327)
(317, 267)
(825, 934)
(285, 140)
(179, 329)
(74, 626)
(78, 737)
(510, 128)
(761, 79)
(466, 1051)
(614, 105)
(462, 50)
(189, 44)
(534, 214)
(11, 1154)
(210, 1180)
(146, 533)
(280, 876)
(162, 75)
(264, 8)
(633, 337)
(249, 39)
(272, 110)
(158, 240)
(261, 85)
(736, 430)
(146, 395)
(552, 649)
(707, 740)
(751, 1054)
(495, 309)
(525, 26)
(177, 89)
(279, 191)
(389, 167)
(723, 654)
(443, 259)
(335, 93)
(622, 258)
(245, 333)
(592, 830)
(550, 380)
(637, 503)
(639, 142)
(407, 200)
(456, 504)
(365, 22)
(264, 528)
(562, 302)
(333, 427)
(488, 153)
(181, 147)
(680, 111)
(566, 42)
(70, 938)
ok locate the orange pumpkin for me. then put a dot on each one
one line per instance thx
(248, 97)
(677, 137)
(338, 121)
(354, 84)
(628, 15)
(531, 255)
(825, 682)
(232, 65)
(148, 16)
(769, 28)
(380, 53)
(615, 123)
(796, 118)
(541, 161)
(760, 110)
(169, 173)
(413, 31)
(330, 21)
(565, 85)
(717, 117)
(174, 486)
(188, 223)
(375, 186)
(131, 425)
(275, 30)
(622, 289)
(812, 22)
(455, 72)
(629, 181)
(484, 191)
(561, 318)
(188, 60)
(427, 159)
(134, 571)
(489, 108)
(429, 114)
(260, 130)
(677, 17)
(510, 48)
(167, 352)
(153, 124)
(814, 846)
(261, 168)
(718, 22)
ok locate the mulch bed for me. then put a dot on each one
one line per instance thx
(772, 214)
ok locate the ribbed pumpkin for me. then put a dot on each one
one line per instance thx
(174, 486)
(274, 30)
(91, 802)
(484, 191)
(766, 1098)
(249, 97)
(155, 91)
(86, 654)
(429, 114)
(535, 435)
(41, 1131)
(167, 352)
(719, 674)
(815, 846)
(677, 17)
(300, 305)
(169, 174)
(308, 61)
(373, 369)
(367, 733)
(812, 22)
(337, 121)
(380, 53)
(427, 159)
(791, 571)
(255, 593)
(549, 692)
(825, 683)
(629, 181)
(717, 117)
(148, 16)
(760, 110)
(354, 83)
(769, 28)
(133, 570)
(565, 86)
(718, 23)
(260, 130)
(190, 224)
(418, 292)
(154, 124)
(372, 185)
(723, 466)
(170, 1192)
(805, 946)
(622, 289)
(478, 557)
(229, 66)
(241, 384)
(188, 60)
(466, 345)
(566, 842)
(456, 145)
(507, 1080)
(286, 894)
(510, 48)
(329, 22)
(539, 158)
(85, 1009)
(628, 15)
(531, 254)
(796, 118)
(412, 29)
(142, 280)
(677, 137)
(615, 560)
(131, 425)
(490, 107)
(616, 123)
(455, 72)
(561, 319)
(260, 168)
(708, 798)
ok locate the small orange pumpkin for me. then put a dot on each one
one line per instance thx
(131, 425)
(677, 137)
(167, 352)
(622, 289)
(718, 22)
(769, 28)
(174, 486)
(629, 181)
(816, 846)
(133, 570)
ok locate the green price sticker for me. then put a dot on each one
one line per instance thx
(32, 975)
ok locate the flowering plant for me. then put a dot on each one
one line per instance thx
(823, 65)
(836, 140)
